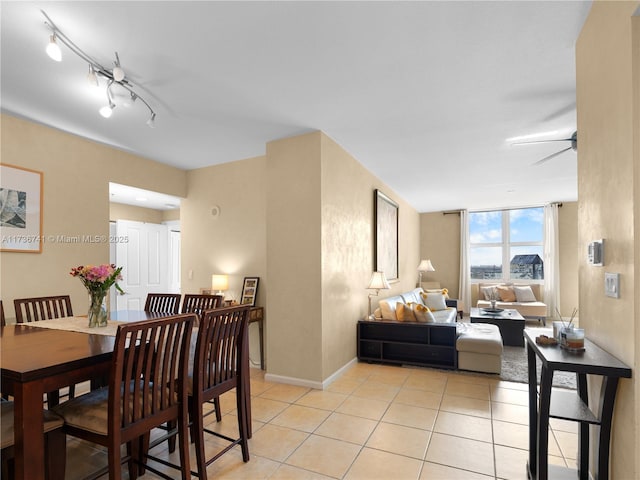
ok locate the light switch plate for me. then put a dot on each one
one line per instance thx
(612, 285)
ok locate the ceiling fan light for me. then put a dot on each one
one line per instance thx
(53, 49)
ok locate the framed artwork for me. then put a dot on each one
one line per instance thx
(385, 238)
(20, 209)
(249, 291)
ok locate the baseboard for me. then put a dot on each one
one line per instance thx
(301, 382)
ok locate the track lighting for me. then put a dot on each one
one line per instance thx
(53, 50)
(107, 110)
(117, 72)
(92, 78)
(116, 75)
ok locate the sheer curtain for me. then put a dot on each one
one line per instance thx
(464, 287)
(551, 260)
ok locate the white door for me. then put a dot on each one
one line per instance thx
(144, 258)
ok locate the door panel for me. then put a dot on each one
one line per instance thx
(146, 262)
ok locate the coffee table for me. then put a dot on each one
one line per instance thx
(509, 321)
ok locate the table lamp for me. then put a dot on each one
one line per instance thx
(219, 283)
(378, 282)
(425, 266)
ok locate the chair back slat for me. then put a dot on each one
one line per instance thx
(42, 308)
(199, 303)
(163, 302)
(2, 320)
(220, 351)
(148, 374)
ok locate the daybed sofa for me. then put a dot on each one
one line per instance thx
(523, 298)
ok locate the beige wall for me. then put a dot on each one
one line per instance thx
(608, 87)
(77, 173)
(347, 250)
(233, 242)
(440, 242)
(319, 254)
(120, 211)
(293, 206)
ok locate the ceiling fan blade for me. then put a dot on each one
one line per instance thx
(551, 156)
(543, 141)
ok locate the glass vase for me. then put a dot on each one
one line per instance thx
(98, 309)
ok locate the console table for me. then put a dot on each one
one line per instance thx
(256, 314)
(569, 405)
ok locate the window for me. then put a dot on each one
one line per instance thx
(511, 238)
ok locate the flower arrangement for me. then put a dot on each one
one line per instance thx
(98, 279)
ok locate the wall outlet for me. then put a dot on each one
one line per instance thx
(612, 285)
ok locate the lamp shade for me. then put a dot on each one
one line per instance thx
(378, 281)
(426, 266)
(219, 282)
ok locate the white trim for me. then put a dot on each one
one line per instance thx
(301, 382)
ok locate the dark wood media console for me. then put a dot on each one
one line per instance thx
(425, 344)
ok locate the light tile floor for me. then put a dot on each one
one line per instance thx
(375, 422)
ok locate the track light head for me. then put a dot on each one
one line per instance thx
(92, 78)
(117, 72)
(53, 49)
(107, 110)
(152, 120)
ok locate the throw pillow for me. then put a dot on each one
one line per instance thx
(404, 312)
(506, 294)
(423, 314)
(524, 294)
(490, 293)
(388, 312)
(443, 291)
(435, 301)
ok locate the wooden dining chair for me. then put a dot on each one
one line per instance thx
(163, 303)
(193, 303)
(45, 308)
(147, 388)
(219, 363)
(42, 308)
(54, 443)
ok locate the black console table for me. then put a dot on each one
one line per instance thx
(569, 405)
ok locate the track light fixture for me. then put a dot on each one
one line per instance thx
(96, 70)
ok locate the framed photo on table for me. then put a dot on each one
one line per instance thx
(249, 291)
(20, 209)
(385, 235)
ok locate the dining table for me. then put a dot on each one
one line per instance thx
(40, 357)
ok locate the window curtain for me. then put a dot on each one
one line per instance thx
(551, 260)
(464, 287)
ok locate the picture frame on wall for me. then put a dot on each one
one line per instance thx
(385, 237)
(249, 291)
(21, 203)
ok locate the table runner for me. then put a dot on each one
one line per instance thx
(78, 324)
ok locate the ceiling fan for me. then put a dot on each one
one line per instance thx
(574, 146)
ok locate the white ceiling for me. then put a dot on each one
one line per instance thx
(423, 94)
